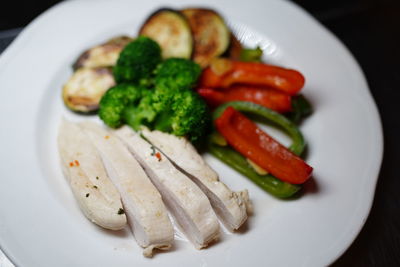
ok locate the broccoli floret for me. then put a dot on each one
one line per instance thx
(137, 61)
(115, 100)
(170, 105)
(177, 73)
(141, 114)
(187, 116)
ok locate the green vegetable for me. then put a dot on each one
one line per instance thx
(267, 182)
(115, 100)
(234, 159)
(186, 115)
(177, 74)
(181, 111)
(251, 54)
(301, 108)
(137, 61)
(170, 106)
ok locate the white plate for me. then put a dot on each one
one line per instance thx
(41, 224)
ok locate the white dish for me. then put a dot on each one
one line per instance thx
(41, 224)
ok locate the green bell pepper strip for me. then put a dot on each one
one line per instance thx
(267, 182)
(234, 159)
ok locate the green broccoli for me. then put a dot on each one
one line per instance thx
(143, 113)
(177, 73)
(190, 115)
(170, 105)
(115, 100)
(137, 61)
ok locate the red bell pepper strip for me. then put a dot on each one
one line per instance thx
(253, 73)
(267, 97)
(250, 141)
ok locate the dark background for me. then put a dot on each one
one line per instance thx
(371, 30)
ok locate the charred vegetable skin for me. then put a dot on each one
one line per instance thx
(234, 159)
(211, 34)
(83, 91)
(171, 30)
(104, 55)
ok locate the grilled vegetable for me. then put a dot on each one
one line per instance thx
(83, 91)
(170, 29)
(104, 55)
(253, 143)
(224, 73)
(211, 34)
(235, 48)
(264, 96)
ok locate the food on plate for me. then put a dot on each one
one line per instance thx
(143, 205)
(137, 61)
(238, 161)
(264, 96)
(103, 55)
(185, 83)
(165, 101)
(171, 30)
(83, 91)
(229, 206)
(187, 203)
(210, 32)
(252, 142)
(227, 72)
(82, 166)
(251, 54)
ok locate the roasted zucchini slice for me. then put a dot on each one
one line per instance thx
(210, 32)
(170, 29)
(83, 91)
(104, 55)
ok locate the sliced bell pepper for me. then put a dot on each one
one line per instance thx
(267, 97)
(252, 142)
(251, 73)
(267, 182)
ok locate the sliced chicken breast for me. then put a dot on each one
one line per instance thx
(229, 206)
(96, 195)
(146, 212)
(187, 203)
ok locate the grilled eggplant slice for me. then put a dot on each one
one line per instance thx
(83, 91)
(210, 32)
(171, 30)
(104, 55)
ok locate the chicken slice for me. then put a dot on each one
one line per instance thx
(82, 166)
(147, 214)
(187, 203)
(229, 206)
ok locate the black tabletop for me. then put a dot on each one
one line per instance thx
(371, 30)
